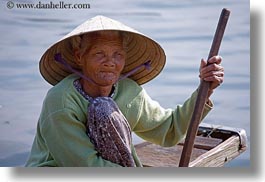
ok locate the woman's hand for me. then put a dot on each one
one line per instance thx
(213, 72)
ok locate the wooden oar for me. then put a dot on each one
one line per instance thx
(202, 94)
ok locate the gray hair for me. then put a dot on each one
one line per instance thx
(83, 42)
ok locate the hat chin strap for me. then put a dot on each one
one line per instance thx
(146, 65)
(58, 58)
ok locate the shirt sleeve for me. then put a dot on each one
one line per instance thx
(165, 127)
(68, 143)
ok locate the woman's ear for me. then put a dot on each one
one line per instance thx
(77, 56)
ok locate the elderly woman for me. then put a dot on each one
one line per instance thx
(97, 101)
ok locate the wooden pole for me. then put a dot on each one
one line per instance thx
(202, 94)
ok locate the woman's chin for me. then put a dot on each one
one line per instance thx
(107, 82)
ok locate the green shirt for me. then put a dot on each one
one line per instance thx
(61, 138)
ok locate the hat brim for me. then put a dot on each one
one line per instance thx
(140, 49)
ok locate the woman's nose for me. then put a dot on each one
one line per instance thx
(109, 61)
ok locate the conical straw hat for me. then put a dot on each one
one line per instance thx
(140, 49)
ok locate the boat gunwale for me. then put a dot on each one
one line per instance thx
(241, 133)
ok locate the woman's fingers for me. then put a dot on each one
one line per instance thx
(211, 68)
(213, 72)
(215, 59)
(203, 63)
(219, 73)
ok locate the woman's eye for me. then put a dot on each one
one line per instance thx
(99, 54)
(119, 55)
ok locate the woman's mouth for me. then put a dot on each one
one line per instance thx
(108, 76)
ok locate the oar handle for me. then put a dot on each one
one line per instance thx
(202, 94)
(219, 33)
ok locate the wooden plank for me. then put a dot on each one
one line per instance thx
(205, 143)
(208, 152)
(152, 155)
(218, 156)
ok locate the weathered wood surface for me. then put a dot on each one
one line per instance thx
(205, 143)
(207, 151)
(220, 155)
(155, 156)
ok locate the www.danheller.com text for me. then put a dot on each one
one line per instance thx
(49, 5)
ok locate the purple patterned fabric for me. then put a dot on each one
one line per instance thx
(110, 132)
(108, 129)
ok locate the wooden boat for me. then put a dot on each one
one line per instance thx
(214, 146)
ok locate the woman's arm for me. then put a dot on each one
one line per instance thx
(68, 143)
(165, 127)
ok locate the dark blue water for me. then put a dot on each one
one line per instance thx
(183, 28)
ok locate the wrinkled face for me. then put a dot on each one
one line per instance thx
(104, 60)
